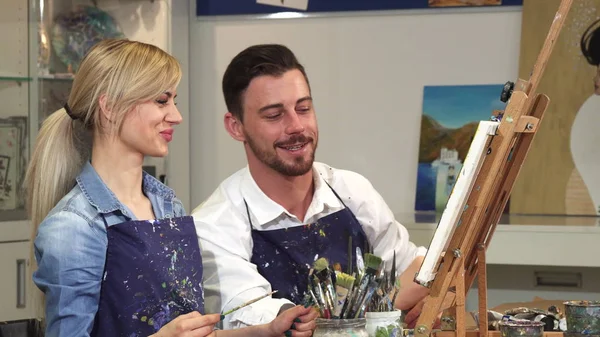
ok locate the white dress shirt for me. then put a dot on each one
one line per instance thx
(224, 231)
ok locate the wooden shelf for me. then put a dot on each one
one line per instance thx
(52, 77)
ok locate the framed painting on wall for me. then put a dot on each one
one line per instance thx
(262, 7)
(451, 114)
(13, 163)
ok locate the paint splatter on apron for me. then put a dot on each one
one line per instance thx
(285, 256)
(153, 274)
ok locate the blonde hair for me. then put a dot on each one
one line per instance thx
(125, 73)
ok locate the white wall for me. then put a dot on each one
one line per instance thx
(178, 162)
(367, 72)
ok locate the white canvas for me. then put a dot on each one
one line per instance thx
(456, 202)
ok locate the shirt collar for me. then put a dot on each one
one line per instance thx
(265, 210)
(101, 197)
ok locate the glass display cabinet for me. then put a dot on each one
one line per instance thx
(43, 42)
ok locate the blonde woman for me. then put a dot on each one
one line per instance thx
(116, 254)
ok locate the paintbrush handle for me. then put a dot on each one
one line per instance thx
(249, 302)
(360, 312)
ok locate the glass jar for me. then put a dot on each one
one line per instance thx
(521, 328)
(583, 317)
(384, 324)
(341, 327)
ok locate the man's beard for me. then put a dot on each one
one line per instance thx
(299, 167)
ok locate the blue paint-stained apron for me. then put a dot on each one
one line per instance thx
(153, 274)
(285, 256)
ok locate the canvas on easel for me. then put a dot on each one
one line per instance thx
(460, 242)
(457, 202)
(451, 114)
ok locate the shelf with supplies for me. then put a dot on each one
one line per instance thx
(47, 39)
(55, 77)
(527, 240)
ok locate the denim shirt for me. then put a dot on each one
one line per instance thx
(70, 248)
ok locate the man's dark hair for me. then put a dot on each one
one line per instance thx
(254, 61)
(590, 43)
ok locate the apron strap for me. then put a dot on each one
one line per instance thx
(334, 192)
(367, 247)
(248, 213)
(104, 220)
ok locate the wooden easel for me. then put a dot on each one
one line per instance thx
(464, 259)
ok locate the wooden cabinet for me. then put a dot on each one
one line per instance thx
(15, 271)
(15, 281)
(15, 135)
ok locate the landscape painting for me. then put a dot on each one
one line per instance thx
(450, 117)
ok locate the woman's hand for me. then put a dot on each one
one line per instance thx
(297, 322)
(190, 325)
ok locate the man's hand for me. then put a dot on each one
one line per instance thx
(411, 318)
(410, 293)
(413, 313)
(297, 322)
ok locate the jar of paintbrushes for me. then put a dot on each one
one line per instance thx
(384, 324)
(343, 299)
(341, 327)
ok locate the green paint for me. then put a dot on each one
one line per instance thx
(390, 330)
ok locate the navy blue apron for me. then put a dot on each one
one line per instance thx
(285, 256)
(153, 274)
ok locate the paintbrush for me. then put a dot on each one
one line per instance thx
(320, 299)
(396, 290)
(325, 305)
(393, 276)
(360, 265)
(248, 303)
(343, 285)
(360, 269)
(350, 297)
(371, 289)
(323, 273)
(350, 269)
(372, 263)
